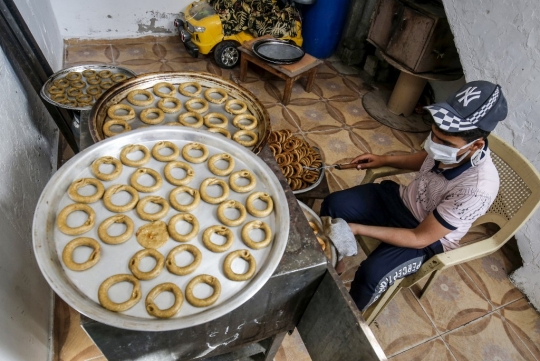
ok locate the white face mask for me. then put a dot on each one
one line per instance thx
(444, 153)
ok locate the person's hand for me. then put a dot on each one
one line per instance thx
(369, 161)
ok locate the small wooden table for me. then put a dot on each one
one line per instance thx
(290, 73)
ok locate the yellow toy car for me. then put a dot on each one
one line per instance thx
(201, 31)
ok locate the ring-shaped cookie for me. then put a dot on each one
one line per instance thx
(212, 181)
(189, 105)
(109, 123)
(184, 207)
(104, 74)
(54, 90)
(167, 171)
(119, 218)
(222, 231)
(143, 253)
(246, 143)
(246, 256)
(82, 182)
(195, 146)
(172, 89)
(107, 176)
(67, 253)
(203, 302)
(106, 84)
(219, 116)
(107, 198)
(218, 171)
(244, 173)
(182, 88)
(62, 97)
(231, 204)
(188, 217)
(152, 216)
(134, 148)
(223, 93)
(237, 122)
(133, 180)
(221, 131)
(177, 104)
(117, 78)
(78, 84)
(93, 90)
(265, 197)
(170, 262)
(93, 81)
(111, 112)
(106, 302)
(72, 76)
(153, 309)
(198, 119)
(73, 103)
(84, 98)
(141, 103)
(61, 83)
(158, 119)
(73, 92)
(61, 221)
(89, 73)
(231, 110)
(165, 144)
(256, 225)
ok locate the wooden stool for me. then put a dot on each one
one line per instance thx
(290, 73)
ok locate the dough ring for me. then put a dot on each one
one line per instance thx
(73, 76)
(62, 82)
(198, 123)
(237, 122)
(107, 198)
(72, 92)
(218, 171)
(153, 309)
(67, 253)
(182, 88)
(133, 148)
(79, 183)
(246, 256)
(152, 121)
(153, 235)
(61, 221)
(177, 104)
(106, 302)
(188, 217)
(93, 90)
(104, 74)
(141, 103)
(145, 189)
(84, 98)
(219, 116)
(89, 73)
(108, 124)
(221, 131)
(222, 231)
(184, 207)
(214, 200)
(172, 90)
(237, 137)
(170, 262)
(165, 144)
(78, 84)
(229, 106)
(189, 105)
(256, 225)
(265, 197)
(94, 80)
(111, 112)
(167, 171)
(196, 146)
(117, 78)
(223, 93)
(231, 204)
(119, 218)
(203, 302)
(244, 173)
(152, 216)
(106, 83)
(107, 176)
(154, 272)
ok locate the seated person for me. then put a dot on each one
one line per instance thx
(456, 183)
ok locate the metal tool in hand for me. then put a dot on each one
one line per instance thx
(338, 166)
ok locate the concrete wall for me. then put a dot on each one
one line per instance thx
(500, 41)
(105, 19)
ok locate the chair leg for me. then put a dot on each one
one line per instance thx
(429, 283)
(378, 306)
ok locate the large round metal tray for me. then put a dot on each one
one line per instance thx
(119, 92)
(115, 69)
(79, 289)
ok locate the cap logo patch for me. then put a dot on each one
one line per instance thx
(469, 94)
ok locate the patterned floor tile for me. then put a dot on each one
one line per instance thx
(488, 338)
(313, 115)
(337, 146)
(525, 321)
(88, 54)
(433, 350)
(281, 119)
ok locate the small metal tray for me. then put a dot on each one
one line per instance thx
(115, 69)
(318, 181)
(278, 52)
(311, 216)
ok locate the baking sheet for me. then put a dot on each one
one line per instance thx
(79, 289)
(118, 95)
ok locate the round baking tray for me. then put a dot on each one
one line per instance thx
(79, 289)
(311, 216)
(119, 92)
(278, 52)
(115, 69)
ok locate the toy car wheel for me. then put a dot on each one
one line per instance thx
(226, 54)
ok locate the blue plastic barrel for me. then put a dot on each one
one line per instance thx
(322, 26)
